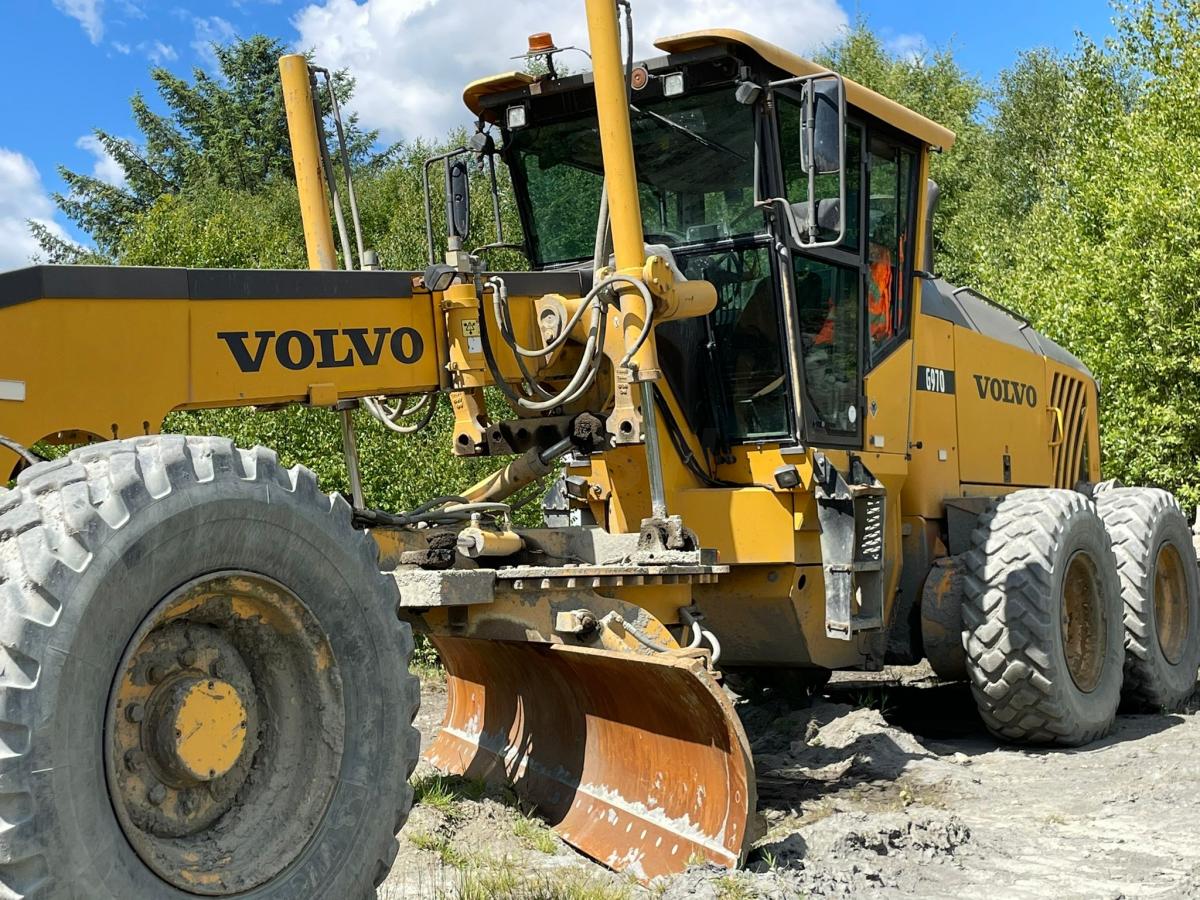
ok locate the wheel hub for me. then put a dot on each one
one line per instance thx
(198, 730)
(1171, 614)
(189, 729)
(1085, 638)
(225, 732)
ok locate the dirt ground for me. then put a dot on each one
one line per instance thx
(885, 787)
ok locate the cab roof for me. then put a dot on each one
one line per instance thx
(875, 104)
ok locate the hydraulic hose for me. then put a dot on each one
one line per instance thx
(429, 402)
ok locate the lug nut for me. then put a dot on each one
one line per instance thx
(135, 712)
(157, 674)
(133, 759)
(187, 658)
(157, 794)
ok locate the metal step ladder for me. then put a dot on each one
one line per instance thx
(852, 512)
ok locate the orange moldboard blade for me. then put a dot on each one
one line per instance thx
(639, 762)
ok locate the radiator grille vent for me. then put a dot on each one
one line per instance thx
(1069, 394)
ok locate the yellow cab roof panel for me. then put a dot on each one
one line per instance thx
(865, 99)
(856, 95)
(494, 84)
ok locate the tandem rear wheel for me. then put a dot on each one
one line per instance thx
(205, 690)
(1071, 607)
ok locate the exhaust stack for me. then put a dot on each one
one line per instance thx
(306, 157)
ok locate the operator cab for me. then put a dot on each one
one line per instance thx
(789, 189)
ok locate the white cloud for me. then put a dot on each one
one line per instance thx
(411, 68)
(912, 47)
(131, 9)
(158, 52)
(89, 14)
(209, 31)
(22, 197)
(123, 49)
(105, 168)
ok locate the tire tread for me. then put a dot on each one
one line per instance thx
(54, 518)
(1009, 620)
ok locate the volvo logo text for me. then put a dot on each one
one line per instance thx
(1004, 391)
(324, 348)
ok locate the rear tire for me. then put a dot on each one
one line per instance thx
(136, 587)
(1042, 613)
(1160, 586)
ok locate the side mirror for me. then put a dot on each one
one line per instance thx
(458, 200)
(822, 126)
(818, 219)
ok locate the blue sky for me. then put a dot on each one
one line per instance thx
(75, 63)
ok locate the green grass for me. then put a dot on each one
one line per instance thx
(504, 881)
(534, 835)
(426, 664)
(873, 699)
(443, 792)
(729, 888)
(435, 843)
(436, 792)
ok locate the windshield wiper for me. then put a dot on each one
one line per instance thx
(683, 129)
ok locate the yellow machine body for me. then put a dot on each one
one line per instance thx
(581, 681)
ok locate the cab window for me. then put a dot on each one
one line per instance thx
(828, 300)
(728, 369)
(890, 176)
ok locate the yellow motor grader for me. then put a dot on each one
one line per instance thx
(783, 446)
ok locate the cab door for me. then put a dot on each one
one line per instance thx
(826, 285)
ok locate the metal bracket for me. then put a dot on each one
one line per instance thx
(852, 515)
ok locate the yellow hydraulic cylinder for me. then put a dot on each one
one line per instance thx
(306, 156)
(475, 542)
(620, 173)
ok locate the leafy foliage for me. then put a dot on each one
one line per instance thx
(1102, 244)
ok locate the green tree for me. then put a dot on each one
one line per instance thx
(1107, 256)
(223, 130)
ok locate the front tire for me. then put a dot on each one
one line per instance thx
(1042, 614)
(205, 686)
(1159, 585)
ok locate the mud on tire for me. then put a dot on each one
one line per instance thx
(1041, 613)
(1160, 587)
(90, 545)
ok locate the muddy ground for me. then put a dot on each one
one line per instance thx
(882, 788)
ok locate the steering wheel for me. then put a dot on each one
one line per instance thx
(726, 268)
(744, 214)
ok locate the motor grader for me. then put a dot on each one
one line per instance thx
(781, 446)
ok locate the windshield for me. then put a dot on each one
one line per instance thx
(695, 160)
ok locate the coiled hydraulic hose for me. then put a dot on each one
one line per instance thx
(596, 301)
(378, 407)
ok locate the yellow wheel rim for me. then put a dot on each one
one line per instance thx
(1172, 618)
(1084, 624)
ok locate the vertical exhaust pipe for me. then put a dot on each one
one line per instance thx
(306, 157)
(933, 195)
(620, 175)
